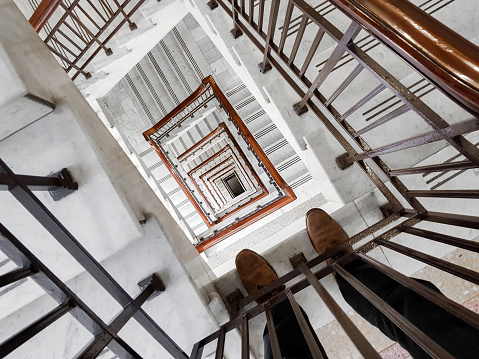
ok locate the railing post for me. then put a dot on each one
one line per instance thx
(265, 66)
(236, 31)
(212, 4)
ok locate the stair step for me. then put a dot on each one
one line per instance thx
(124, 36)
(184, 71)
(152, 7)
(291, 168)
(167, 75)
(102, 61)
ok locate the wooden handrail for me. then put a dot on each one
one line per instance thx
(446, 58)
(43, 13)
(286, 197)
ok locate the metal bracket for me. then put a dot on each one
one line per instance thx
(343, 161)
(264, 67)
(155, 281)
(236, 32)
(387, 210)
(69, 185)
(300, 109)
(297, 259)
(234, 296)
(212, 4)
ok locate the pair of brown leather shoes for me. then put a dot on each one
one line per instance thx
(256, 273)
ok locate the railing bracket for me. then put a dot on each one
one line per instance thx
(69, 185)
(264, 67)
(344, 161)
(155, 282)
(133, 26)
(212, 4)
(236, 32)
(297, 259)
(108, 52)
(300, 109)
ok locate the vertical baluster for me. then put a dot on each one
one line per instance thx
(299, 37)
(308, 335)
(364, 347)
(287, 20)
(251, 11)
(261, 16)
(236, 31)
(272, 332)
(131, 24)
(265, 66)
(245, 337)
(220, 347)
(312, 50)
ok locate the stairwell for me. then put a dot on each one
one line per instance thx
(199, 45)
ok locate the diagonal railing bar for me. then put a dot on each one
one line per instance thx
(39, 211)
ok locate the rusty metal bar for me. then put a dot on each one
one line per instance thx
(452, 268)
(361, 343)
(272, 332)
(38, 210)
(16, 275)
(377, 90)
(261, 16)
(308, 335)
(311, 52)
(445, 133)
(465, 193)
(265, 66)
(443, 238)
(220, 347)
(460, 165)
(352, 31)
(287, 20)
(131, 24)
(297, 41)
(197, 351)
(386, 118)
(439, 299)
(447, 218)
(244, 337)
(100, 342)
(251, 11)
(426, 343)
(33, 329)
(236, 31)
(344, 84)
(21, 256)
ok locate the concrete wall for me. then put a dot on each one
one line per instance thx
(104, 213)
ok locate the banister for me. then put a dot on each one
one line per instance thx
(443, 56)
(43, 13)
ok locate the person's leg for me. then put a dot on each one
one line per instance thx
(290, 336)
(455, 336)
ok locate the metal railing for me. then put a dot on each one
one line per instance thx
(104, 334)
(76, 31)
(249, 19)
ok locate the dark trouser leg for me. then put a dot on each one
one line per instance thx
(290, 336)
(458, 338)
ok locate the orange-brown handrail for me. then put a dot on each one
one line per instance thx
(43, 13)
(286, 197)
(446, 58)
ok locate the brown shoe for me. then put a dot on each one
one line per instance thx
(323, 231)
(255, 273)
